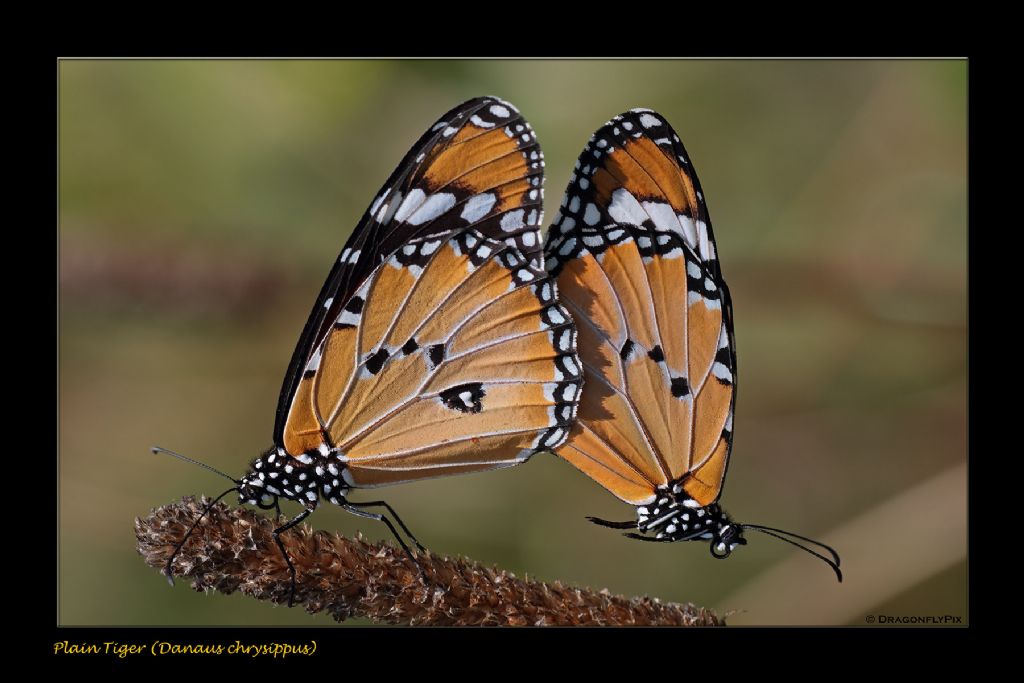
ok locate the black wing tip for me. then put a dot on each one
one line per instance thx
(634, 116)
(475, 103)
(649, 123)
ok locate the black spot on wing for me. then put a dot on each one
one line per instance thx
(627, 349)
(410, 347)
(435, 353)
(355, 305)
(375, 362)
(680, 387)
(465, 398)
(656, 354)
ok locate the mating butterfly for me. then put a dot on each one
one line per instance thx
(637, 267)
(437, 345)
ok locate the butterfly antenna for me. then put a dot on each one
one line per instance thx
(835, 555)
(179, 456)
(834, 565)
(170, 562)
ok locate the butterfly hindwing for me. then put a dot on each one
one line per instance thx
(478, 167)
(453, 356)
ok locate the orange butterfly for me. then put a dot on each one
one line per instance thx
(637, 267)
(437, 345)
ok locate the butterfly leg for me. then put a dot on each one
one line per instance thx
(170, 562)
(381, 503)
(613, 525)
(651, 539)
(350, 507)
(277, 537)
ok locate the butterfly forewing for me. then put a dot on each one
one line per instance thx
(479, 167)
(636, 265)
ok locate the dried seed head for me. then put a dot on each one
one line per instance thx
(233, 549)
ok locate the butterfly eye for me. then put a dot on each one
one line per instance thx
(721, 550)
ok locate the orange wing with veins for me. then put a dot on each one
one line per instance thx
(635, 260)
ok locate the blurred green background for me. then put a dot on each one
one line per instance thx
(203, 202)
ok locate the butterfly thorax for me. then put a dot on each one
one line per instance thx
(675, 516)
(303, 479)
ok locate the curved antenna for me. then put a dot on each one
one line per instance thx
(835, 555)
(170, 562)
(179, 456)
(834, 565)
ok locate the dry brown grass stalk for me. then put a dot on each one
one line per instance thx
(233, 550)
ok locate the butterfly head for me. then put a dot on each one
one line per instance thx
(726, 537)
(276, 474)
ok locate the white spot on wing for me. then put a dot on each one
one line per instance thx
(625, 208)
(663, 216)
(513, 220)
(721, 372)
(314, 363)
(689, 230)
(706, 252)
(410, 204)
(434, 206)
(649, 121)
(377, 202)
(478, 206)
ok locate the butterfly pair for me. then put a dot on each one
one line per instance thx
(449, 339)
